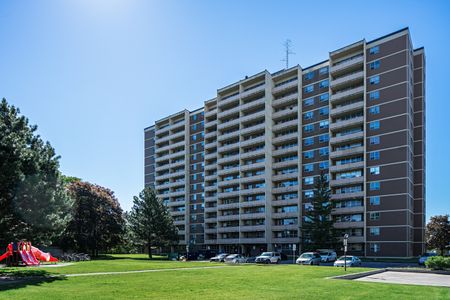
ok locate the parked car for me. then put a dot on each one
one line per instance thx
(327, 256)
(219, 258)
(250, 260)
(268, 258)
(424, 257)
(352, 261)
(309, 258)
(235, 259)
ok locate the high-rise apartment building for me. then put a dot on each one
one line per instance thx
(238, 174)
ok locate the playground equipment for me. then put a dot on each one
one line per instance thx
(22, 253)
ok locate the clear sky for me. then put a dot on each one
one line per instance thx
(92, 74)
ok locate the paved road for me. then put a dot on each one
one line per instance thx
(409, 278)
(377, 265)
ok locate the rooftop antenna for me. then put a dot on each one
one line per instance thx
(287, 48)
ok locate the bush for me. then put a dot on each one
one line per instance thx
(438, 263)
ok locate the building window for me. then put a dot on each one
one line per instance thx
(375, 170)
(375, 231)
(374, 110)
(375, 140)
(324, 124)
(308, 102)
(374, 95)
(194, 157)
(308, 141)
(194, 137)
(374, 186)
(374, 50)
(194, 117)
(323, 71)
(309, 76)
(308, 180)
(324, 97)
(375, 155)
(374, 216)
(323, 84)
(375, 248)
(308, 115)
(323, 165)
(308, 194)
(194, 177)
(375, 65)
(308, 168)
(324, 151)
(324, 111)
(375, 200)
(374, 80)
(308, 89)
(308, 128)
(308, 154)
(374, 125)
(324, 138)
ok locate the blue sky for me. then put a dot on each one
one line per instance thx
(93, 73)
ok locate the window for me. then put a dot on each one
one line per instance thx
(375, 231)
(324, 84)
(194, 127)
(308, 89)
(308, 128)
(308, 115)
(308, 102)
(308, 194)
(324, 151)
(308, 154)
(194, 117)
(323, 71)
(323, 111)
(375, 170)
(375, 155)
(308, 168)
(374, 216)
(375, 65)
(375, 140)
(194, 157)
(323, 165)
(374, 186)
(374, 110)
(374, 80)
(194, 177)
(308, 141)
(374, 50)
(309, 76)
(374, 95)
(324, 124)
(374, 125)
(375, 200)
(375, 248)
(194, 137)
(324, 97)
(308, 180)
(324, 138)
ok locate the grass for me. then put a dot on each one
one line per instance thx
(231, 282)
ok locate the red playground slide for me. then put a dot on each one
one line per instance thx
(43, 256)
(27, 256)
(8, 253)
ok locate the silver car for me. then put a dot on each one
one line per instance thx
(218, 258)
(309, 258)
(235, 259)
(349, 260)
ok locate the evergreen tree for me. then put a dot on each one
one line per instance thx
(318, 231)
(151, 222)
(438, 233)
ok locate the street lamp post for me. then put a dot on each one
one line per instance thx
(294, 247)
(187, 252)
(345, 251)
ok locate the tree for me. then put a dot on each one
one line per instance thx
(97, 223)
(318, 230)
(438, 233)
(32, 203)
(150, 221)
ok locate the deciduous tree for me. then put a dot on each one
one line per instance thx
(438, 233)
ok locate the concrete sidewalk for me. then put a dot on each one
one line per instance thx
(409, 278)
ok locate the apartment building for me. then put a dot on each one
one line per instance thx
(238, 174)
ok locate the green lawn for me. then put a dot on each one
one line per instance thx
(231, 282)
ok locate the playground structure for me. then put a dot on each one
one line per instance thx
(24, 254)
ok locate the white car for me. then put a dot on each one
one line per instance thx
(352, 261)
(235, 259)
(309, 258)
(327, 256)
(218, 258)
(268, 258)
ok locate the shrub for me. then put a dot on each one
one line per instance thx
(438, 263)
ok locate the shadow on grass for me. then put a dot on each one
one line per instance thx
(131, 257)
(14, 278)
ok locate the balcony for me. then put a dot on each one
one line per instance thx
(210, 230)
(229, 147)
(210, 156)
(228, 171)
(229, 99)
(347, 138)
(347, 94)
(224, 160)
(340, 67)
(285, 202)
(228, 229)
(223, 137)
(282, 215)
(228, 182)
(285, 86)
(228, 241)
(252, 191)
(209, 124)
(285, 151)
(252, 178)
(253, 141)
(228, 124)
(254, 166)
(228, 218)
(347, 152)
(254, 90)
(250, 228)
(286, 240)
(210, 113)
(210, 209)
(281, 177)
(253, 129)
(344, 225)
(163, 167)
(210, 198)
(284, 138)
(337, 111)
(285, 227)
(227, 206)
(253, 116)
(252, 203)
(287, 163)
(252, 240)
(211, 220)
(285, 113)
(211, 134)
(347, 167)
(347, 80)
(250, 216)
(210, 145)
(229, 112)
(346, 181)
(285, 125)
(210, 188)
(255, 103)
(347, 210)
(285, 189)
(224, 195)
(343, 196)
(210, 242)
(289, 99)
(211, 167)
(253, 154)
(347, 123)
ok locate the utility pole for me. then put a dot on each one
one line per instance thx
(287, 49)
